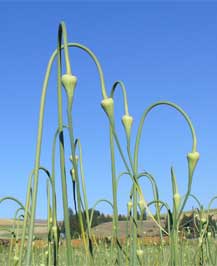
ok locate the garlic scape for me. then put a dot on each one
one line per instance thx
(108, 106)
(69, 83)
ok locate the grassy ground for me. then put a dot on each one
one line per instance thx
(105, 254)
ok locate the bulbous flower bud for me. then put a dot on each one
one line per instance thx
(127, 122)
(142, 205)
(177, 200)
(188, 231)
(108, 106)
(69, 82)
(54, 229)
(139, 253)
(72, 173)
(200, 241)
(203, 220)
(109, 238)
(209, 234)
(193, 158)
(129, 206)
(76, 158)
(16, 259)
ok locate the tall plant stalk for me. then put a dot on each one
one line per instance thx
(61, 139)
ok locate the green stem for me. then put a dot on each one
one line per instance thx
(121, 84)
(71, 136)
(156, 198)
(49, 224)
(174, 245)
(133, 260)
(40, 131)
(63, 32)
(194, 144)
(139, 132)
(77, 142)
(27, 213)
(120, 175)
(62, 155)
(54, 205)
(114, 193)
(12, 199)
(14, 236)
(94, 207)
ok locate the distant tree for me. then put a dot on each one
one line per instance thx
(98, 218)
(122, 217)
(144, 216)
(190, 224)
(74, 224)
(101, 219)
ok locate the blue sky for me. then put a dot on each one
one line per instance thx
(161, 50)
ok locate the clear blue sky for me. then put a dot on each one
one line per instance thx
(161, 50)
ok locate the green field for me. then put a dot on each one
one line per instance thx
(105, 254)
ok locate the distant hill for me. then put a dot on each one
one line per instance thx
(6, 224)
(146, 228)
